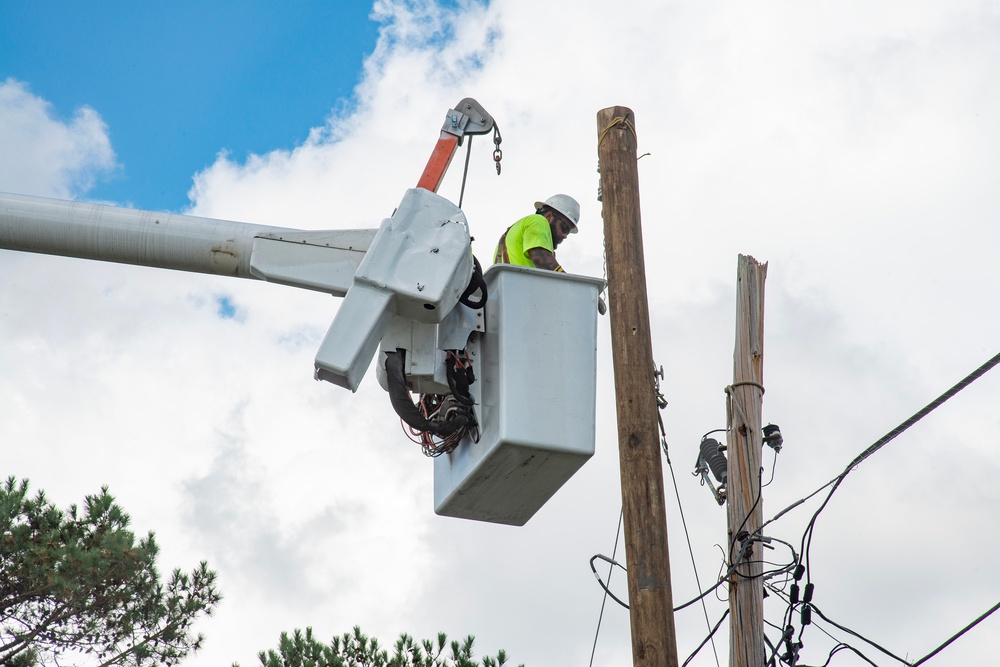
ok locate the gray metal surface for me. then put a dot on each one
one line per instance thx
(127, 236)
(539, 392)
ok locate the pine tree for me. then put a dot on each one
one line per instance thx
(354, 649)
(76, 588)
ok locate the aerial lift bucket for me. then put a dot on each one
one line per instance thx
(537, 399)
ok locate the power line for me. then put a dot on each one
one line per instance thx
(662, 403)
(607, 592)
(808, 533)
(835, 484)
(705, 641)
(957, 635)
(884, 440)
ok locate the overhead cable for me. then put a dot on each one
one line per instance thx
(961, 632)
(888, 437)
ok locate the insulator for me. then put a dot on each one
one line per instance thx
(799, 571)
(806, 615)
(793, 595)
(772, 437)
(715, 459)
(807, 595)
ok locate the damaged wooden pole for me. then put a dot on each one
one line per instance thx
(745, 510)
(654, 641)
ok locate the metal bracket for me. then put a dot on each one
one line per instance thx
(467, 118)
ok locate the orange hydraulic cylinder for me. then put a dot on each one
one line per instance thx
(438, 163)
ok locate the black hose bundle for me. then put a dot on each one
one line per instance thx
(476, 284)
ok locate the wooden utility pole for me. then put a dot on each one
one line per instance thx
(745, 513)
(654, 641)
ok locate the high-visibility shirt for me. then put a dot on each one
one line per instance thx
(532, 231)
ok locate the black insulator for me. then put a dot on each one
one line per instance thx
(715, 459)
(806, 615)
(772, 437)
(799, 571)
(807, 595)
(793, 595)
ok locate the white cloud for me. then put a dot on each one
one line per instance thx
(852, 147)
(44, 154)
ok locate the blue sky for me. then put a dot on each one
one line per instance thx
(177, 82)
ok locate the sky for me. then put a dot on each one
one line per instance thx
(853, 146)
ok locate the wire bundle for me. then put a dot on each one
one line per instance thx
(440, 408)
(798, 567)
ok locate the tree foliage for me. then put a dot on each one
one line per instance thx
(76, 587)
(354, 649)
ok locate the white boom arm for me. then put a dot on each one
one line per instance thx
(181, 242)
(416, 265)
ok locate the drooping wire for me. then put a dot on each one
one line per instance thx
(614, 563)
(607, 591)
(841, 647)
(856, 634)
(611, 567)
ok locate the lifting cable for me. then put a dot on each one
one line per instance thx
(497, 157)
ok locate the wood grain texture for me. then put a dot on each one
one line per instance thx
(654, 641)
(744, 505)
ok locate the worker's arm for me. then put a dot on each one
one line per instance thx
(543, 259)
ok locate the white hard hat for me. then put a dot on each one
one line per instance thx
(564, 204)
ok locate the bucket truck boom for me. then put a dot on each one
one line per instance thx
(511, 443)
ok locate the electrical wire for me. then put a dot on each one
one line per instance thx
(661, 403)
(614, 597)
(858, 635)
(739, 531)
(882, 442)
(840, 643)
(611, 567)
(680, 507)
(961, 632)
(721, 581)
(808, 533)
(840, 647)
(875, 645)
(705, 641)
(774, 466)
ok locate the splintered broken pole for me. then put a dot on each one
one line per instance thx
(654, 641)
(744, 507)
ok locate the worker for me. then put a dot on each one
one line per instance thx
(532, 240)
